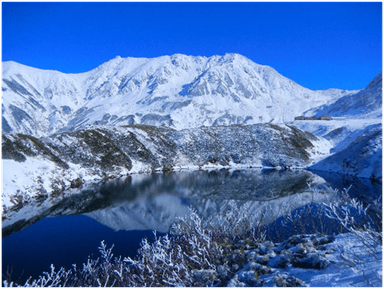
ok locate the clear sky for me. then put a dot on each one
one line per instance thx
(318, 45)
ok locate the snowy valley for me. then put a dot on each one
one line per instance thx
(222, 110)
(65, 136)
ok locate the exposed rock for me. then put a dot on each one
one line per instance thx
(287, 280)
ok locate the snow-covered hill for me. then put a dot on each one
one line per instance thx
(40, 167)
(177, 91)
(355, 132)
(361, 158)
(366, 103)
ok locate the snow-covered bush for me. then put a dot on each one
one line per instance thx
(354, 217)
(338, 214)
(367, 230)
(341, 214)
(197, 253)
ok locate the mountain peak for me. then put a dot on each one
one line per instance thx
(233, 55)
(179, 91)
(376, 83)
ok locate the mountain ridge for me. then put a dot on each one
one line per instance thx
(366, 103)
(178, 91)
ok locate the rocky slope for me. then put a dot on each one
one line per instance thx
(176, 91)
(40, 166)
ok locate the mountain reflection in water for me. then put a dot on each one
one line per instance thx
(154, 201)
(130, 208)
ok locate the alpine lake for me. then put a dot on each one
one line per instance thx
(124, 211)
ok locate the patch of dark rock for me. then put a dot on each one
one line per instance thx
(287, 280)
(77, 183)
(16, 87)
(311, 261)
(280, 261)
(250, 278)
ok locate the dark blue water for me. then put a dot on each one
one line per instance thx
(129, 210)
(64, 240)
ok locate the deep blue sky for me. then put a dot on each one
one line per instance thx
(318, 45)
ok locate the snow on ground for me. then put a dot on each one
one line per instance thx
(356, 146)
(37, 176)
(321, 149)
(351, 264)
(300, 261)
(339, 131)
(362, 158)
(140, 167)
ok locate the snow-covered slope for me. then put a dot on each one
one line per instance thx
(366, 103)
(361, 158)
(40, 167)
(178, 91)
(355, 132)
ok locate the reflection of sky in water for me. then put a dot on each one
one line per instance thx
(126, 210)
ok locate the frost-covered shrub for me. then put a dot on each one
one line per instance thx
(232, 226)
(197, 253)
(367, 230)
(48, 279)
(355, 219)
(334, 216)
(339, 215)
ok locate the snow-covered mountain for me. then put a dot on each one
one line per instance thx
(362, 157)
(178, 91)
(355, 132)
(366, 103)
